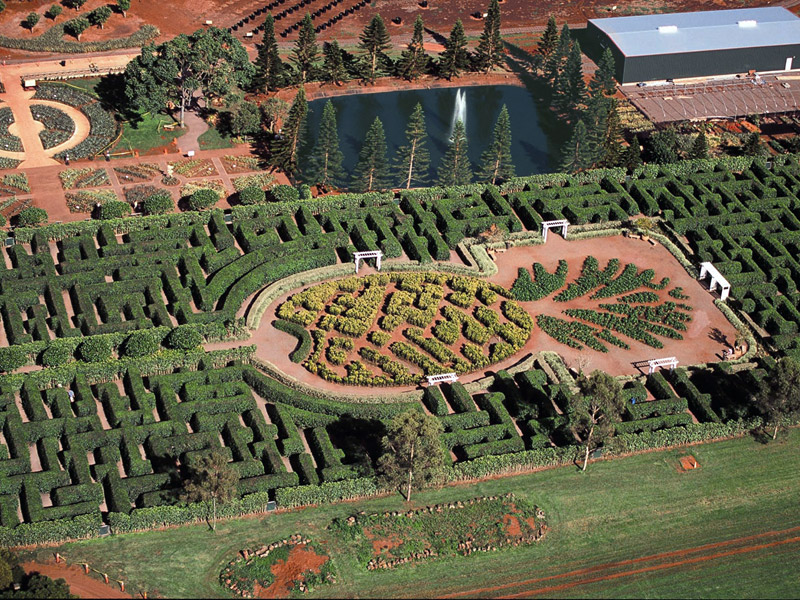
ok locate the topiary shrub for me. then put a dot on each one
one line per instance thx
(305, 192)
(113, 210)
(94, 349)
(252, 194)
(32, 217)
(158, 204)
(183, 337)
(202, 199)
(56, 355)
(141, 343)
(283, 193)
(12, 358)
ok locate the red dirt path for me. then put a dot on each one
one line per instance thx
(301, 560)
(80, 584)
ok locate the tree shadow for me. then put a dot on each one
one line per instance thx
(718, 336)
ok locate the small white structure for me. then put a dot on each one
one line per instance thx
(707, 268)
(29, 83)
(376, 254)
(670, 362)
(190, 153)
(443, 378)
(546, 225)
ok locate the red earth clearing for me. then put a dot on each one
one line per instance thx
(80, 584)
(301, 559)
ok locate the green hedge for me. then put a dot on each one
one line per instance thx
(300, 353)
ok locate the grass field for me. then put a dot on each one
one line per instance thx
(621, 511)
(214, 140)
(148, 133)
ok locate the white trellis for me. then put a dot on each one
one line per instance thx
(376, 254)
(546, 225)
(442, 378)
(670, 362)
(707, 268)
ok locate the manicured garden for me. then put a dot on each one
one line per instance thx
(58, 126)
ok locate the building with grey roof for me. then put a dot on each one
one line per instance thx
(700, 44)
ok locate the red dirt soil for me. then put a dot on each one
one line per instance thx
(301, 559)
(80, 584)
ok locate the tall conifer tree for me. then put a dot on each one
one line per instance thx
(306, 50)
(413, 158)
(700, 146)
(374, 40)
(578, 152)
(455, 57)
(372, 170)
(455, 168)
(602, 81)
(287, 147)
(555, 61)
(496, 162)
(270, 70)
(334, 70)
(549, 39)
(632, 156)
(570, 89)
(326, 157)
(414, 61)
(489, 53)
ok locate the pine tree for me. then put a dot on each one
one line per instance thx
(549, 39)
(306, 50)
(334, 70)
(632, 157)
(700, 146)
(374, 40)
(372, 170)
(752, 144)
(287, 146)
(595, 117)
(413, 159)
(578, 152)
(455, 168)
(612, 144)
(663, 147)
(489, 53)
(270, 70)
(455, 57)
(602, 81)
(496, 161)
(570, 89)
(555, 61)
(414, 61)
(326, 157)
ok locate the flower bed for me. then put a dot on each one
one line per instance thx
(14, 183)
(263, 180)
(9, 163)
(427, 316)
(194, 167)
(140, 193)
(85, 201)
(187, 189)
(9, 142)
(483, 524)
(83, 178)
(234, 165)
(59, 126)
(271, 571)
(140, 172)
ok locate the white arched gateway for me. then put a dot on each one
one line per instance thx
(707, 268)
(376, 254)
(546, 225)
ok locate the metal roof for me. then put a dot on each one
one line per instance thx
(701, 31)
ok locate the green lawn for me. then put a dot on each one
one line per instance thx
(214, 140)
(148, 133)
(618, 510)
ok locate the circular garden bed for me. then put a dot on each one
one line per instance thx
(8, 142)
(394, 329)
(58, 125)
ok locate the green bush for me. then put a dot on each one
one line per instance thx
(113, 210)
(305, 192)
(252, 194)
(12, 358)
(142, 343)
(283, 193)
(94, 349)
(183, 337)
(32, 217)
(56, 355)
(158, 204)
(203, 198)
(299, 354)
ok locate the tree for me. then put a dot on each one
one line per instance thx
(32, 217)
(663, 146)
(413, 453)
(413, 159)
(53, 12)
(273, 111)
(210, 61)
(159, 203)
(752, 144)
(212, 480)
(699, 146)
(2, 6)
(496, 161)
(779, 394)
(455, 168)
(489, 53)
(124, 6)
(99, 16)
(578, 153)
(245, 119)
(632, 156)
(76, 4)
(30, 21)
(594, 411)
(555, 61)
(203, 198)
(372, 169)
(413, 60)
(333, 66)
(288, 144)
(603, 81)
(76, 27)
(270, 70)
(455, 57)
(570, 89)
(374, 40)
(612, 141)
(326, 157)
(549, 40)
(306, 50)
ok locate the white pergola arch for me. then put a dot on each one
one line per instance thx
(655, 363)
(707, 268)
(376, 254)
(442, 378)
(546, 225)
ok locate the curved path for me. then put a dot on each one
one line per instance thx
(80, 584)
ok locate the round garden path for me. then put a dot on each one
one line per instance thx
(707, 335)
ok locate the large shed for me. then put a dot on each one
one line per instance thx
(700, 44)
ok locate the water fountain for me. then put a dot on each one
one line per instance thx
(460, 110)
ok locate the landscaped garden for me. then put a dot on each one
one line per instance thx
(9, 142)
(58, 126)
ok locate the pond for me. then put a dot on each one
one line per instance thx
(536, 137)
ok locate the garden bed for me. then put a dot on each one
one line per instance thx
(235, 165)
(136, 173)
(263, 180)
(193, 167)
(14, 183)
(85, 201)
(58, 125)
(8, 142)
(86, 177)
